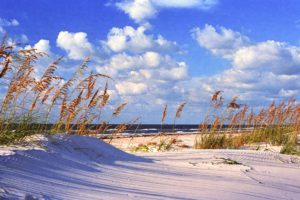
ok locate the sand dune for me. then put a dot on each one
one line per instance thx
(76, 167)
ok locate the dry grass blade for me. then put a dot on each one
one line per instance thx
(93, 100)
(118, 109)
(63, 109)
(215, 123)
(164, 114)
(71, 117)
(34, 102)
(103, 127)
(105, 96)
(250, 118)
(91, 85)
(102, 75)
(62, 91)
(215, 96)
(47, 94)
(75, 102)
(243, 112)
(104, 100)
(120, 128)
(179, 109)
(105, 89)
(81, 69)
(232, 104)
(47, 76)
(5, 66)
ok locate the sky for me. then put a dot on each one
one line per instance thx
(168, 51)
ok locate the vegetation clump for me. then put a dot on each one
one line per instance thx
(47, 102)
(234, 125)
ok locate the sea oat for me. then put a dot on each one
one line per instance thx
(179, 109)
(163, 117)
(118, 109)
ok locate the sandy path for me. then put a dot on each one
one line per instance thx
(74, 167)
(127, 143)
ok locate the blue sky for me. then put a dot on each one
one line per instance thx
(162, 51)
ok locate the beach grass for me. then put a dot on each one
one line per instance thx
(31, 102)
(233, 125)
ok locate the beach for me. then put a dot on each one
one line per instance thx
(78, 167)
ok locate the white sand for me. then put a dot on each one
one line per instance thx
(75, 167)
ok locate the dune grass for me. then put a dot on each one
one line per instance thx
(30, 101)
(274, 125)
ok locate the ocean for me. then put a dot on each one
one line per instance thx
(154, 129)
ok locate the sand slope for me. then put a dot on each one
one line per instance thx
(75, 167)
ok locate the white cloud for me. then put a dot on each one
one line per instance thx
(43, 46)
(145, 76)
(7, 23)
(152, 59)
(178, 72)
(76, 44)
(14, 22)
(135, 40)
(201, 4)
(142, 10)
(124, 61)
(138, 10)
(148, 64)
(277, 57)
(260, 71)
(223, 43)
(131, 88)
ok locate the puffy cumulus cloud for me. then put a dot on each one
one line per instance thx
(136, 40)
(148, 64)
(223, 42)
(124, 61)
(138, 10)
(153, 59)
(7, 23)
(177, 72)
(131, 88)
(43, 46)
(120, 39)
(259, 72)
(150, 73)
(261, 85)
(142, 10)
(76, 44)
(277, 57)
